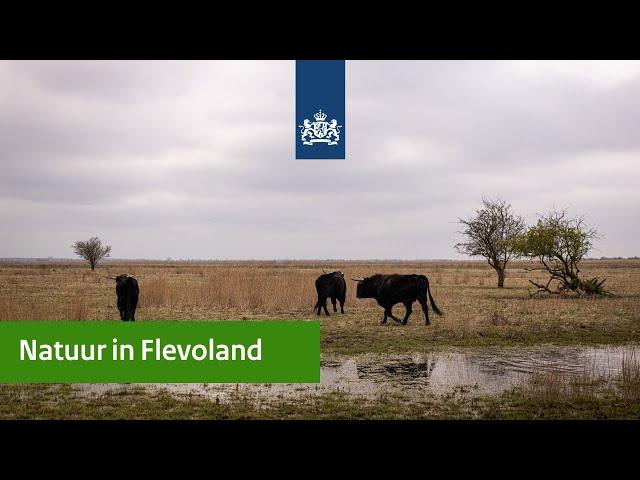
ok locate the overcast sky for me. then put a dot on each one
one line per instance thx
(196, 159)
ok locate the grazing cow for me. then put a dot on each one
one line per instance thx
(389, 290)
(330, 285)
(127, 291)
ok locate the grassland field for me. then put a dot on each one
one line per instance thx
(477, 315)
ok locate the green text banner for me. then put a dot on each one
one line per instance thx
(160, 352)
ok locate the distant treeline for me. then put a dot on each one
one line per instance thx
(615, 258)
(337, 261)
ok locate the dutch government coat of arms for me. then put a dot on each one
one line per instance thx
(320, 131)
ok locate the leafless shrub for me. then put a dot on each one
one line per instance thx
(489, 234)
(91, 250)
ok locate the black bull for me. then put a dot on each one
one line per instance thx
(333, 286)
(127, 291)
(390, 290)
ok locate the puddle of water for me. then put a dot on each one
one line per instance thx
(480, 372)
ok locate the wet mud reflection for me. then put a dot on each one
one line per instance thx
(480, 372)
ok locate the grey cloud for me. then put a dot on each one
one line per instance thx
(196, 159)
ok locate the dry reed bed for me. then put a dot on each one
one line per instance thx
(548, 395)
(285, 290)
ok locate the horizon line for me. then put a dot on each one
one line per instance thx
(170, 259)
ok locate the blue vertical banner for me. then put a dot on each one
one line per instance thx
(320, 110)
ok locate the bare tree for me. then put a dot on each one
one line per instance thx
(489, 234)
(91, 250)
(559, 243)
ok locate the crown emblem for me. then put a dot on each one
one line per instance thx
(320, 117)
(320, 131)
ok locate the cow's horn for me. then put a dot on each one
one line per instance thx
(358, 279)
(111, 278)
(323, 271)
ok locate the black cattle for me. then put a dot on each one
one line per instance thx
(127, 291)
(331, 285)
(389, 290)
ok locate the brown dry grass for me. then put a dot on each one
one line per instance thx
(554, 387)
(630, 376)
(477, 313)
(557, 395)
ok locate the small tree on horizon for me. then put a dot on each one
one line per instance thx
(490, 233)
(91, 250)
(559, 243)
